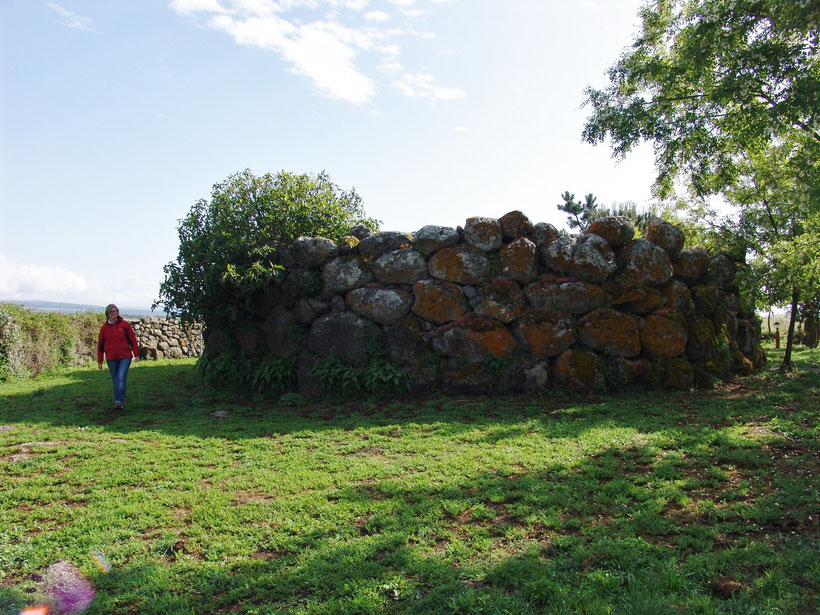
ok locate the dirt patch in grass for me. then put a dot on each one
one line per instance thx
(244, 497)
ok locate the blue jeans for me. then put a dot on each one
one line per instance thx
(119, 372)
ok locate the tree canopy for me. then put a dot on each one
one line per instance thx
(708, 80)
(227, 243)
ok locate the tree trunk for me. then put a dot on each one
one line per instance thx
(769, 322)
(787, 358)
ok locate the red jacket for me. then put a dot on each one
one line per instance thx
(116, 341)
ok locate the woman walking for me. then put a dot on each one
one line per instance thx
(119, 344)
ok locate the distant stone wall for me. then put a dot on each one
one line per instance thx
(159, 338)
(504, 304)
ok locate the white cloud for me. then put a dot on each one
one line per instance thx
(376, 16)
(43, 282)
(320, 47)
(71, 20)
(413, 13)
(423, 86)
(462, 129)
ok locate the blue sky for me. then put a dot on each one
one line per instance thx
(117, 115)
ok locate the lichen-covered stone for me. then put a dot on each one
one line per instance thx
(580, 371)
(742, 365)
(722, 271)
(430, 239)
(557, 254)
(345, 335)
(545, 333)
(404, 341)
(745, 336)
(544, 233)
(404, 266)
(344, 273)
(283, 334)
(705, 298)
(376, 245)
(462, 264)
(610, 332)
(474, 338)
(266, 299)
(362, 232)
(677, 297)
(515, 224)
(564, 296)
(641, 262)
(519, 260)
(666, 235)
(308, 309)
(313, 251)
(691, 265)
(438, 302)
(382, 305)
(249, 337)
(664, 335)
(592, 259)
(348, 245)
(637, 300)
(483, 233)
(616, 230)
(702, 341)
(673, 373)
(500, 298)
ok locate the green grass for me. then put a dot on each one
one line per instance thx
(693, 502)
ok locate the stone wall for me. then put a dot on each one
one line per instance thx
(168, 338)
(504, 304)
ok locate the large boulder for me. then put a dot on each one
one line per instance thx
(483, 233)
(431, 239)
(677, 297)
(249, 338)
(642, 263)
(515, 224)
(673, 373)
(403, 266)
(519, 261)
(462, 264)
(691, 265)
(438, 302)
(545, 333)
(404, 341)
(300, 283)
(635, 300)
(376, 245)
(500, 298)
(702, 339)
(346, 335)
(587, 257)
(580, 371)
(722, 271)
(706, 298)
(666, 235)
(544, 233)
(284, 334)
(616, 230)
(610, 332)
(382, 305)
(664, 335)
(474, 338)
(557, 254)
(564, 296)
(313, 251)
(344, 273)
(309, 309)
(461, 378)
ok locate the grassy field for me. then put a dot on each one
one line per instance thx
(685, 502)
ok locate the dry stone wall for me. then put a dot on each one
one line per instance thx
(159, 338)
(507, 304)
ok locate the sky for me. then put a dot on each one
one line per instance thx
(116, 116)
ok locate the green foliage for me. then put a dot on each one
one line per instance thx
(228, 243)
(580, 213)
(234, 372)
(385, 379)
(708, 81)
(337, 380)
(33, 343)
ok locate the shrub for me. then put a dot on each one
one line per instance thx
(228, 244)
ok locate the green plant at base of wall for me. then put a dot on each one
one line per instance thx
(383, 379)
(337, 380)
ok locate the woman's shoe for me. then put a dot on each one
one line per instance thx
(118, 406)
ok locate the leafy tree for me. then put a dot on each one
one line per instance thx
(728, 91)
(227, 243)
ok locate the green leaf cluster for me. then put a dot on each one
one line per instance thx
(228, 243)
(377, 378)
(232, 371)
